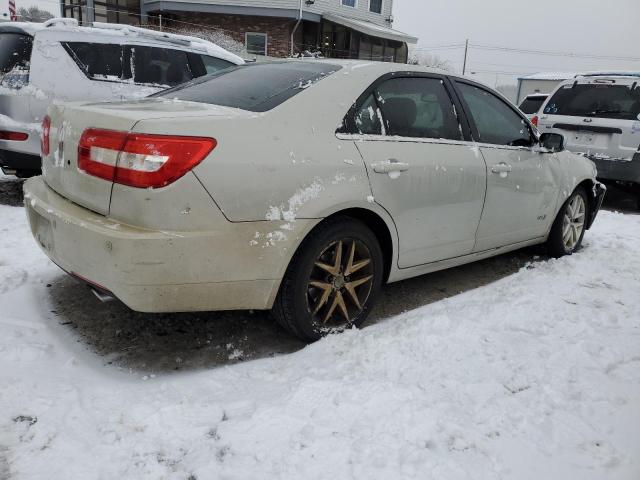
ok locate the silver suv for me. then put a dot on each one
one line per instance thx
(58, 61)
(599, 116)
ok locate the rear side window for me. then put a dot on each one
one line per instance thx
(596, 100)
(213, 64)
(15, 59)
(142, 65)
(97, 61)
(258, 87)
(201, 65)
(496, 122)
(159, 66)
(369, 117)
(531, 105)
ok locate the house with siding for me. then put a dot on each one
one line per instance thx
(361, 29)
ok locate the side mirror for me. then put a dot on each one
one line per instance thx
(553, 142)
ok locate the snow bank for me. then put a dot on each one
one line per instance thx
(535, 376)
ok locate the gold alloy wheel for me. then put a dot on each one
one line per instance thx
(340, 283)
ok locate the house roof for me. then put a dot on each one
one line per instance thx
(369, 28)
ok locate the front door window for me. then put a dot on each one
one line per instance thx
(496, 122)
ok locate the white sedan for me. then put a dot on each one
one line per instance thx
(300, 187)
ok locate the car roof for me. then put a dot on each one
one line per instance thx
(126, 32)
(612, 78)
(537, 95)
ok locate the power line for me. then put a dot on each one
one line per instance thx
(552, 53)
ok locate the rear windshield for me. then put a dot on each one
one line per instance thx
(532, 104)
(258, 88)
(15, 57)
(596, 100)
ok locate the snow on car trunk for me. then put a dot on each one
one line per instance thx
(62, 169)
(534, 376)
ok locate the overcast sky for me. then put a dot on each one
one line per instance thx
(590, 27)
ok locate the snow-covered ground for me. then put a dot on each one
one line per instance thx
(534, 376)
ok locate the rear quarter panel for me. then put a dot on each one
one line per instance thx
(283, 164)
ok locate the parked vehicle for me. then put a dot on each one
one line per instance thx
(599, 115)
(58, 61)
(301, 187)
(531, 104)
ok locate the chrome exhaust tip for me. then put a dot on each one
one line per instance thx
(103, 296)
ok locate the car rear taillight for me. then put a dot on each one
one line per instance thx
(534, 120)
(15, 136)
(140, 160)
(44, 136)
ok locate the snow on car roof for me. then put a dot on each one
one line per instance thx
(549, 76)
(114, 29)
(615, 73)
(568, 75)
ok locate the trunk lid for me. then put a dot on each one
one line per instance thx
(60, 168)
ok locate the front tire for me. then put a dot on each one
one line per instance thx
(332, 281)
(569, 226)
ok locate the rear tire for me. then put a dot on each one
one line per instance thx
(569, 226)
(332, 281)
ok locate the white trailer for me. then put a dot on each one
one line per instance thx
(540, 83)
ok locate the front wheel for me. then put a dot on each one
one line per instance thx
(568, 228)
(332, 281)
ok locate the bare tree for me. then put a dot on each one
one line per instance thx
(33, 14)
(417, 57)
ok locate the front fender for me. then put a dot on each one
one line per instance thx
(575, 170)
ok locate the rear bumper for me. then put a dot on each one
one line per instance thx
(622, 171)
(18, 161)
(238, 266)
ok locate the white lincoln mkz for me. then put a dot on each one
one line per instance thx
(301, 187)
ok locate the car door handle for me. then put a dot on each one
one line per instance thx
(501, 168)
(391, 165)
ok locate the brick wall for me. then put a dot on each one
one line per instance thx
(278, 30)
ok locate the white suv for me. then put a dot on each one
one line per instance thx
(599, 116)
(58, 61)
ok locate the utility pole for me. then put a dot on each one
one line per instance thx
(464, 64)
(160, 21)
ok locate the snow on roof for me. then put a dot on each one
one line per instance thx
(549, 76)
(127, 30)
(568, 75)
(611, 73)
